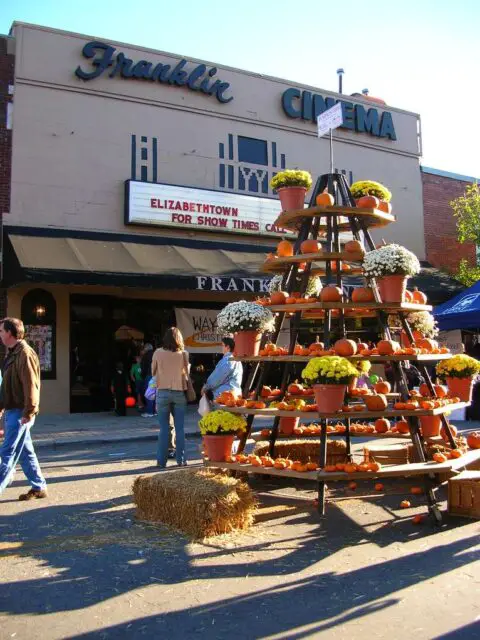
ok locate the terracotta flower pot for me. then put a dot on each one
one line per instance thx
(292, 198)
(405, 342)
(247, 343)
(287, 425)
(460, 388)
(329, 397)
(217, 448)
(353, 384)
(430, 426)
(392, 288)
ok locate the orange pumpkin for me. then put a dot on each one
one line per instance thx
(385, 206)
(418, 519)
(311, 466)
(331, 293)
(362, 294)
(439, 457)
(387, 347)
(427, 343)
(376, 402)
(374, 466)
(309, 246)
(325, 200)
(345, 347)
(353, 246)
(378, 486)
(352, 485)
(473, 440)
(368, 202)
(443, 432)
(382, 425)
(295, 388)
(316, 346)
(405, 504)
(402, 426)
(330, 468)
(382, 386)
(350, 467)
(279, 297)
(419, 296)
(416, 491)
(285, 248)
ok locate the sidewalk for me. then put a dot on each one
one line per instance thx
(52, 430)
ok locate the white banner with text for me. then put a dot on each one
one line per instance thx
(199, 330)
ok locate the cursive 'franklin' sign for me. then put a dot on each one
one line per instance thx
(200, 78)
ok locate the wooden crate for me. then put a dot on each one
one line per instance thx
(387, 454)
(464, 494)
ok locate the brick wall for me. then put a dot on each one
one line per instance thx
(6, 79)
(442, 248)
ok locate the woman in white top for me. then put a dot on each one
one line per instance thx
(170, 369)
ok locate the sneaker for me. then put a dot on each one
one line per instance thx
(147, 415)
(32, 494)
(172, 453)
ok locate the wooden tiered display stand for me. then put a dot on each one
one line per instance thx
(314, 222)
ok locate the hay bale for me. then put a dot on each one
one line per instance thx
(304, 449)
(200, 503)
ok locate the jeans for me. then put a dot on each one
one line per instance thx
(165, 397)
(18, 448)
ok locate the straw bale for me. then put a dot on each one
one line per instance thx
(304, 449)
(200, 503)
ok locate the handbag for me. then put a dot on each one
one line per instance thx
(204, 406)
(151, 390)
(189, 391)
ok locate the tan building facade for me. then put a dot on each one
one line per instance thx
(130, 165)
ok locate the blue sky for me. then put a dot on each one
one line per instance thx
(420, 55)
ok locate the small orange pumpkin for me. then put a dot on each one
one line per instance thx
(443, 432)
(376, 402)
(353, 246)
(309, 246)
(285, 248)
(473, 440)
(279, 297)
(385, 206)
(387, 347)
(419, 296)
(378, 486)
(382, 386)
(405, 504)
(350, 467)
(362, 294)
(331, 293)
(439, 457)
(345, 347)
(419, 518)
(416, 491)
(368, 202)
(402, 426)
(427, 343)
(325, 199)
(352, 485)
(382, 425)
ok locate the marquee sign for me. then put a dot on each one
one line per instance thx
(149, 203)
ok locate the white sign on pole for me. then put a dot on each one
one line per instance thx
(330, 119)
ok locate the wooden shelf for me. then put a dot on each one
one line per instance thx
(257, 437)
(390, 471)
(279, 265)
(391, 307)
(314, 415)
(372, 217)
(423, 357)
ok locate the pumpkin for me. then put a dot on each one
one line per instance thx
(456, 453)
(408, 296)
(376, 402)
(285, 248)
(279, 297)
(402, 426)
(382, 386)
(265, 392)
(362, 294)
(353, 246)
(405, 504)
(387, 347)
(374, 466)
(443, 432)
(378, 486)
(352, 485)
(331, 293)
(424, 390)
(385, 206)
(295, 388)
(344, 347)
(311, 466)
(350, 467)
(325, 200)
(368, 202)
(309, 246)
(418, 296)
(416, 491)
(440, 390)
(362, 346)
(473, 440)
(439, 457)
(382, 425)
(330, 468)
(418, 519)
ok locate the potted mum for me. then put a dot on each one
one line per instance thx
(391, 265)
(363, 188)
(459, 373)
(329, 376)
(422, 324)
(218, 429)
(291, 186)
(247, 321)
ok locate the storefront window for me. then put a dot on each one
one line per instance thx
(39, 315)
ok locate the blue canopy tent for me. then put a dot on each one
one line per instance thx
(461, 312)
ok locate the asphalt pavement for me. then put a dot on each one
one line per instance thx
(79, 565)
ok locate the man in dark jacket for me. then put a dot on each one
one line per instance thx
(19, 400)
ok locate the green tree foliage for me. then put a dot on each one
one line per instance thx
(466, 210)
